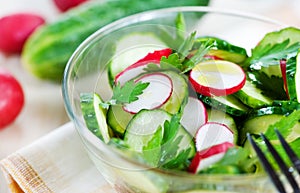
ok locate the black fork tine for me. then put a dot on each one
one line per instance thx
(269, 169)
(291, 154)
(284, 169)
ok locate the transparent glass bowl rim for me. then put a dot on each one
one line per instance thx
(144, 16)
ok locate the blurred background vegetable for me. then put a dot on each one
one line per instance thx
(11, 98)
(15, 29)
(64, 5)
(47, 51)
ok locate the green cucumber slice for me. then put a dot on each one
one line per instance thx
(252, 96)
(94, 115)
(229, 104)
(293, 77)
(179, 95)
(259, 120)
(118, 119)
(129, 50)
(144, 126)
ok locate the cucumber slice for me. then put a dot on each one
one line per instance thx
(293, 77)
(179, 95)
(259, 120)
(223, 118)
(252, 96)
(223, 49)
(145, 124)
(229, 104)
(129, 51)
(292, 33)
(94, 115)
(142, 127)
(118, 119)
(297, 77)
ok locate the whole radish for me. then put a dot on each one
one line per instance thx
(64, 5)
(11, 98)
(15, 29)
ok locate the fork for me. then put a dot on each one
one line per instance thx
(283, 167)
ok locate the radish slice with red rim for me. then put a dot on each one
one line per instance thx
(212, 133)
(217, 78)
(154, 96)
(194, 115)
(132, 72)
(283, 72)
(137, 68)
(209, 156)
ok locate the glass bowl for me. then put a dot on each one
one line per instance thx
(86, 71)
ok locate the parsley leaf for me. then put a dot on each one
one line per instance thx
(197, 57)
(180, 60)
(186, 46)
(151, 151)
(271, 54)
(129, 92)
(180, 27)
(126, 93)
(171, 157)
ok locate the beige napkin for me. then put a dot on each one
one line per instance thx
(56, 163)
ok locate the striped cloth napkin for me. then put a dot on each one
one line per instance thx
(56, 163)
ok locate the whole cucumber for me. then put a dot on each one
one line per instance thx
(48, 49)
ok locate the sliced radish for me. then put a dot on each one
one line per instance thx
(137, 68)
(209, 156)
(156, 55)
(155, 95)
(217, 78)
(194, 115)
(212, 133)
(283, 72)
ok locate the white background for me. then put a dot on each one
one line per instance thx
(44, 109)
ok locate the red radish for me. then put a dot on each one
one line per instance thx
(137, 68)
(212, 133)
(156, 55)
(283, 72)
(155, 95)
(15, 29)
(64, 5)
(209, 156)
(11, 98)
(217, 78)
(194, 115)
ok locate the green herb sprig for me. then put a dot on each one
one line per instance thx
(126, 93)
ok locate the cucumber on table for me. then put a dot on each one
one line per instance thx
(48, 49)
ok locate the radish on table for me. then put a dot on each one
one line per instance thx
(11, 98)
(15, 30)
